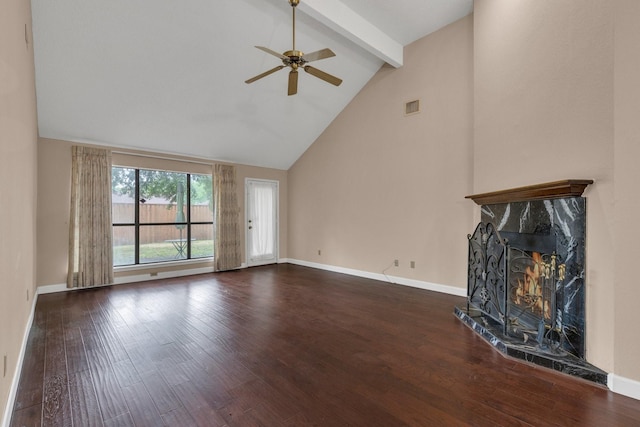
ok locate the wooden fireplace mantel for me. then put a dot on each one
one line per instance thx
(549, 190)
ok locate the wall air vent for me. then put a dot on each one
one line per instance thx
(412, 107)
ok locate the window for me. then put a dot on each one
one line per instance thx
(160, 216)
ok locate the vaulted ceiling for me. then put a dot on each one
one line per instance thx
(168, 76)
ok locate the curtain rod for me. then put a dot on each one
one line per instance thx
(152, 156)
(120, 150)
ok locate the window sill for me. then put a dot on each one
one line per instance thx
(162, 265)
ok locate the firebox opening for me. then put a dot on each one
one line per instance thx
(535, 281)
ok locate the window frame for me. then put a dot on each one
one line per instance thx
(137, 224)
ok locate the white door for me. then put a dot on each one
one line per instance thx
(261, 221)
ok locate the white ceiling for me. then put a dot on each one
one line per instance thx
(168, 76)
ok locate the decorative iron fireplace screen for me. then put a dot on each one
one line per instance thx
(487, 290)
(515, 288)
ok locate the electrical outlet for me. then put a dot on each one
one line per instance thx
(4, 369)
(319, 252)
(396, 262)
(27, 294)
(413, 264)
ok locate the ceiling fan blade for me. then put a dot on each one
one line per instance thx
(265, 74)
(322, 75)
(293, 82)
(319, 54)
(271, 52)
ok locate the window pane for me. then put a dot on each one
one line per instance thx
(202, 240)
(201, 203)
(163, 200)
(162, 243)
(123, 182)
(124, 245)
(162, 196)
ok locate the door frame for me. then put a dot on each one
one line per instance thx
(247, 180)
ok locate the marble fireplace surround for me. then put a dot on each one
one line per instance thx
(547, 218)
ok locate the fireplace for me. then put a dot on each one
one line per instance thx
(526, 271)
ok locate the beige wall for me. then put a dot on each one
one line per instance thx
(54, 163)
(18, 137)
(543, 86)
(627, 178)
(378, 186)
(54, 201)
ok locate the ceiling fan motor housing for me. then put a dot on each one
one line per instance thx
(294, 59)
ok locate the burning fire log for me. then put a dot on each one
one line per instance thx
(538, 276)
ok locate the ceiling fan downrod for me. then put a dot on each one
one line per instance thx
(293, 4)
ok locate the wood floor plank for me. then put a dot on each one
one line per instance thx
(144, 358)
(84, 402)
(109, 314)
(159, 333)
(257, 393)
(172, 372)
(213, 389)
(284, 345)
(30, 386)
(75, 315)
(111, 342)
(27, 417)
(126, 373)
(143, 412)
(135, 335)
(178, 417)
(195, 402)
(161, 393)
(56, 405)
(112, 402)
(232, 374)
(75, 351)
(122, 420)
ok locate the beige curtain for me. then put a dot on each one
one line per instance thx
(226, 217)
(90, 237)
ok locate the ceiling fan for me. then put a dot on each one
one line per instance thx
(295, 59)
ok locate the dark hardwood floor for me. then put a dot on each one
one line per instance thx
(283, 345)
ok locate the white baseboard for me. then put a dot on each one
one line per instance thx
(161, 275)
(50, 289)
(13, 390)
(62, 287)
(624, 386)
(446, 289)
